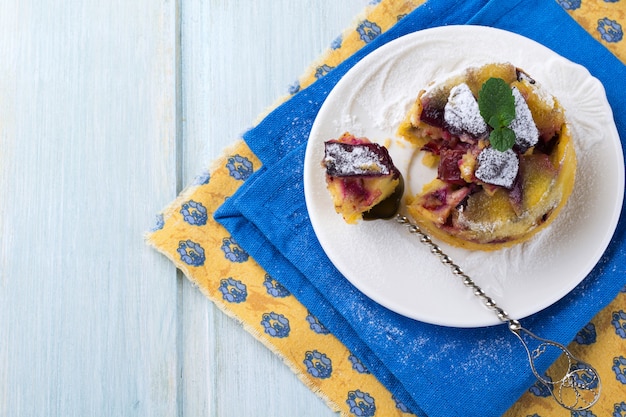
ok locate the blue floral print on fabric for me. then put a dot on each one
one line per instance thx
(400, 405)
(239, 167)
(539, 389)
(322, 70)
(619, 322)
(274, 288)
(611, 1)
(315, 325)
(583, 413)
(294, 88)
(336, 43)
(276, 325)
(610, 30)
(202, 179)
(368, 31)
(194, 213)
(619, 367)
(159, 223)
(233, 291)
(586, 335)
(191, 252)
(318, 364)
(619, 410)
(357, 365)
(584, 377)
(232, 251)
(361, 403)
(570, 4)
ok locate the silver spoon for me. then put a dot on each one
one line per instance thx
(574, 384)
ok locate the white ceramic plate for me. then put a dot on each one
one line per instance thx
(390, 265)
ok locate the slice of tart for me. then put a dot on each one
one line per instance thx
(487, 197)
(361, 178)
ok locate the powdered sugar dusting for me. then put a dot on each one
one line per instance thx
(526, 132)
(462, 113)
(349, 122)
(343, 159)
(497, 168)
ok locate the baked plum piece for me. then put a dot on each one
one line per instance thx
(361, 178)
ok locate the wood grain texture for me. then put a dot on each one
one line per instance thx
(239, 58)
(88, 311)
(86, 154)
(106, 110)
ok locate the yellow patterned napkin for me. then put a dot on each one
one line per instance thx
(187, 234)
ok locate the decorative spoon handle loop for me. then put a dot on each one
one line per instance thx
(576, 386)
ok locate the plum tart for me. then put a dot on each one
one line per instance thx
(361, 178)
(504, 157)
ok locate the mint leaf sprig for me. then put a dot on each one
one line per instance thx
(497, 107)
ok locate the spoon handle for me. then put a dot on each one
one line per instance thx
(577, 384)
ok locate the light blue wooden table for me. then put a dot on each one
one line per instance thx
(107, 109)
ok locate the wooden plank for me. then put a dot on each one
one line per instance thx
(238, 58)
(87, 155)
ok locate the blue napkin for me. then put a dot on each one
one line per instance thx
(435, 371)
